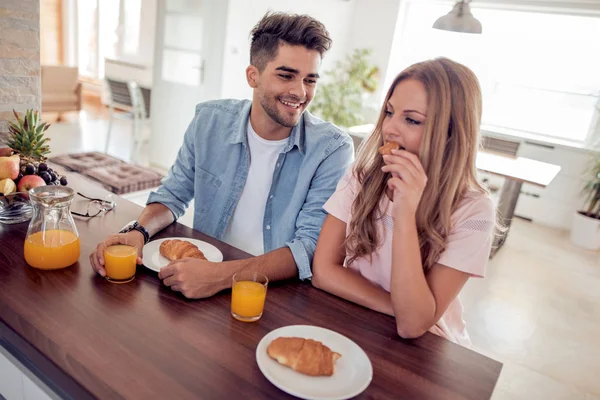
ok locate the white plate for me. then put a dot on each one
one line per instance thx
(155, 261)
(353, 371)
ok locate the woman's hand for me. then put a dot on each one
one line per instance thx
(407, 182)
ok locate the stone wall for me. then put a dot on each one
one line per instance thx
(20, 82)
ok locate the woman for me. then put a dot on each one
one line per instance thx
(408, 229)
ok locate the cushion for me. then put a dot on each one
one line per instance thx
(124, 178)
(83, 161)
(114, 174)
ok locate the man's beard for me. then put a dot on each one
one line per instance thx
(273, 112)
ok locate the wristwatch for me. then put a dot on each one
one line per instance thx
(135, 226)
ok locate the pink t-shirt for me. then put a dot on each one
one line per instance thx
(468, 249)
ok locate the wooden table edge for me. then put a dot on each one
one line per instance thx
(60, 382)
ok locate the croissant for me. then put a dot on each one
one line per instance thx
(176, 249)
(387, 148)
(307, 356)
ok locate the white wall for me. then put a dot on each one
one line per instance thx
(336, 15)
(374, 28)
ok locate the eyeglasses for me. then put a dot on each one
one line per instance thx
(96, 206)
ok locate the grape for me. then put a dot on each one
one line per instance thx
(18, 178)
(63, 180)
(46, 177)
(43, 167)
(54, 176)
(29, 169)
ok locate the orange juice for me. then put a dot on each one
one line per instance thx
(120, 263)
(52, 249)
(248, 300)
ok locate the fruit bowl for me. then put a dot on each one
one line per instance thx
(15, 208)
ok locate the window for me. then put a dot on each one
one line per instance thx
(106, 29)
(539, 71)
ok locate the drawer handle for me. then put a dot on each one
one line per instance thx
(545, 146)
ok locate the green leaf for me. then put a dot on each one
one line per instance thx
(26, 141)
(30, 119)
(17, 142)
(14, 126)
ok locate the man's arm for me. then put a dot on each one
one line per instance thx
(177, 189)
(311, 217)
(156, 217)
(197, 279)
(163, 207)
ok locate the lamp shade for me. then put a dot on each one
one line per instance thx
(459, 19)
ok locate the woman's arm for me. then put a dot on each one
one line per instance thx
(419, 300)
(330, 275)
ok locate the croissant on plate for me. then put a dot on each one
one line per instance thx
(307, 356)
(175, 249)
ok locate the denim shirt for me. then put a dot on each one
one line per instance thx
(212, 166)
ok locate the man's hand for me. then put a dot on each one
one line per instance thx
(132, 238)
(195, 279)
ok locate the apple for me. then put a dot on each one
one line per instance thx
(9, 167)
(6, 152)
(29, 182)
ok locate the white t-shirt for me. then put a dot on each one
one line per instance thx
(245, 230)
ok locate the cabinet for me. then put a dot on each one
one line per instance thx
(18, 385)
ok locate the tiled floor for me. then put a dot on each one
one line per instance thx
(537, 311)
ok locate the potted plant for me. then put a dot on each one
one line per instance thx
(586, 224)
(341, 97)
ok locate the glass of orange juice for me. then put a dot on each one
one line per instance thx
(120, 263)
(248, 293)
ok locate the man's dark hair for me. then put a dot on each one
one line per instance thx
(293, 29)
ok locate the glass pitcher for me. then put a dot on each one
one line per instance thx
(52, 240)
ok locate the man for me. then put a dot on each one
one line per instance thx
(259, 172)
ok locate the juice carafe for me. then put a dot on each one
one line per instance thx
(52, 240)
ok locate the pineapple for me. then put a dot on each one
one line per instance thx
(27, 138)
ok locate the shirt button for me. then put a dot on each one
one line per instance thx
(277, 165)
(268, 227)
(271, 196)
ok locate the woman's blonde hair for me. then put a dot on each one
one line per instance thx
(448, 152)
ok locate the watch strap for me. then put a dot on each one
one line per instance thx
(134, 225)
(144, 232)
